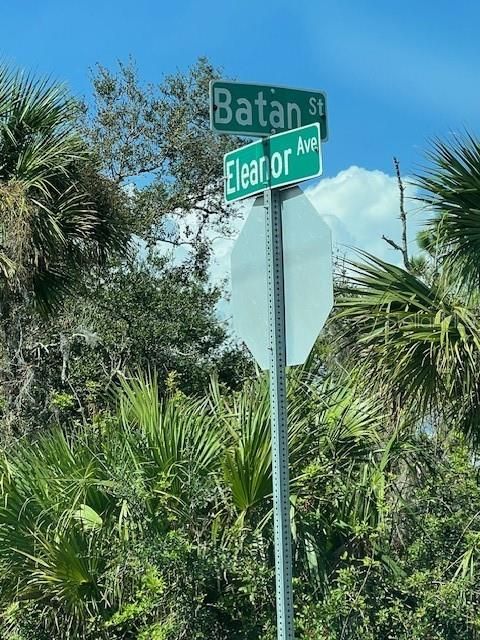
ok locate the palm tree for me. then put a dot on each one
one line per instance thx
(77, 504)
(451, 191)
(57, 214)
(418, 337)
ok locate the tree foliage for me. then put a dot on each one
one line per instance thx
(450, 191)
(58, 214)
(67, 253)
(138, 506)
(157, 139)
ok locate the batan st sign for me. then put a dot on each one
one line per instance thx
(263, 110)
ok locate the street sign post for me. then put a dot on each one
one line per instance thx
(281, 256)
(278, 407)
(280, 160)
(282, 293)
(262, 110)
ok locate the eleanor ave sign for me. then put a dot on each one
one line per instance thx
(277, 161)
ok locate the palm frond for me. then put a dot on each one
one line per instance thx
(182, 439)
(451, 191)
(57, 215)
(413, 339)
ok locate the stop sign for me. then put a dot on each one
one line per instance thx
(307, 255)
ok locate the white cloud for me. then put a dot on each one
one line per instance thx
(359, 205)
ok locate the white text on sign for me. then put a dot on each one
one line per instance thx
(282, 159)
(245, 111)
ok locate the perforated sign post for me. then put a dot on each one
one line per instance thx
(282, 293)
(272, 281)
(278, 404)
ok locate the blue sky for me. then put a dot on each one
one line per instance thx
(396, 75)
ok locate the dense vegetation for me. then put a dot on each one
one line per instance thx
(135, 454)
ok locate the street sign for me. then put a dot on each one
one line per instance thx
(307, 257)
(262, 110)
(282, 159)
(282, 288)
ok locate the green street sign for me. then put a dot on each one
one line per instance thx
(282, 159)
(263, 110)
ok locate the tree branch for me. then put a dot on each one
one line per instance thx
(392, 243)
(403, 216)
(403, 248)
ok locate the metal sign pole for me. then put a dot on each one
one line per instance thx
(278, 404)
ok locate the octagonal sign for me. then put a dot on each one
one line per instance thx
(307, 254)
